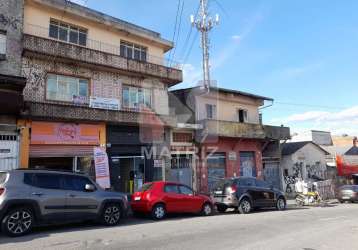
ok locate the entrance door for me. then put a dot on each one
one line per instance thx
(216, 168)
(182, 169)
(247, 164)
(127, 173)
(272, 174)
(9, 146)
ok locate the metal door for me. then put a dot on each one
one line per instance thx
(216, 169)
(181, 169)
(272, 174)
(247, 164)
(9, 151)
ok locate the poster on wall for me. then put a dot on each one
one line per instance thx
(101, 167)
(104, 103)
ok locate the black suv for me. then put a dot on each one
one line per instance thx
(246, 193)
(33, 197)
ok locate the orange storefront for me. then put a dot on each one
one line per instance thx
(64, 145)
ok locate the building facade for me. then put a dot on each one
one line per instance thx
(230, 137)
(95, 81)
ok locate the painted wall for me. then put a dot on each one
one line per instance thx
(37, 19)
(227, 107)
(226, 145)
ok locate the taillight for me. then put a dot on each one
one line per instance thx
(232, 189)
(2, 190)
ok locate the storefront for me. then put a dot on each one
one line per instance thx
(65, 146)
(133, 159)
(229, 157)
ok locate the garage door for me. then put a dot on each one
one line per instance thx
(9, 151)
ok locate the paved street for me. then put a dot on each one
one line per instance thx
(334, 227)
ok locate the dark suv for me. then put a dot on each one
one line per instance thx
(34, 197)
(246, 193)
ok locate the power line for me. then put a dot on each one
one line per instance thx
(310, 105)
(222, 8)
(190, 48)
(175, 26)
(179, 28)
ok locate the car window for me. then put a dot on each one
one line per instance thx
(75, 183)
(222, 184)
(146, 187)
(186, 190)
(171, 188)
(247, 182)
(262, 184)
(43, 180)
(3, 176)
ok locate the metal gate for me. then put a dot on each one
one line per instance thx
(272, 174)
(181, 169)
(9, 151)
(216, 169)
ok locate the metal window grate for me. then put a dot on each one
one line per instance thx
(8, 137)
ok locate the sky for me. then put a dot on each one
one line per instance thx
(302, 53)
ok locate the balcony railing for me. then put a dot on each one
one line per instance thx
(244, 130)
(37, 44)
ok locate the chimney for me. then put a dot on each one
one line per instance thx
(355, 141)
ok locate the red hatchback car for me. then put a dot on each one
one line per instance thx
(160, 198)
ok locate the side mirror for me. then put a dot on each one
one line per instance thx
(90, 188)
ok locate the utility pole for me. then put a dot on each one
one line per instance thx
(204, 24)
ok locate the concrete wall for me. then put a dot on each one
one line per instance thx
(37, 19)
(11, 21)
(227, 107)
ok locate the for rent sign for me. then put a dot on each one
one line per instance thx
(102, 167)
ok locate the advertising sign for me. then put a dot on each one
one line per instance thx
(104, 103)
(101, 167)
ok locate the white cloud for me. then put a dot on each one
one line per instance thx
(80, 2)
(191, 76)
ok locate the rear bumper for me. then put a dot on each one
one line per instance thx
(140, 206)
(225, 200)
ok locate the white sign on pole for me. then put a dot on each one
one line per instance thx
(104, 103)
(102, 167)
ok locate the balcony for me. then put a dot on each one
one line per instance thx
(62, 111)
(245, 130)
(98, 55)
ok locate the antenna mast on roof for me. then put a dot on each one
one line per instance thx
(204, 24)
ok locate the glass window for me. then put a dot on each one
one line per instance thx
(210, 111)
(48, 181)
(171, 188)
(66, 33)
(186, 190)
(125, 97)
(53, 32)
(136, 97)
(247, 182)
(133, 51)
(2, 43)
(82, 38)
(74, 35)
(75, 183)
(242, 115)
(63, 88)
(63, 33)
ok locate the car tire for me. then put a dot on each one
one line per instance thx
(18, 222)
(342, 201)
(245, 206)
(207, 209)
(281, 204)
(159, 212)
(221, 209)
(111, 214)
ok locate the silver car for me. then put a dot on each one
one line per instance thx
(35, 197)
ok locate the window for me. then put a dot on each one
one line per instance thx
(75, 183)
(136, 98)
(171, 188)
(210, 111)
(133, 51)
(3, 177)
(182, 137)
(2, 42)
(185, 190)
(247, 182)
(47, 181)
(64, 88)
(242, 115)
(67, 33)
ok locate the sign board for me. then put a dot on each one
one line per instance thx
(104, 103)
(101, 167)
(232, 156)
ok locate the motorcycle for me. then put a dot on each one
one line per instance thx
(311, 198)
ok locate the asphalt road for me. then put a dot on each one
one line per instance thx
(334, 227)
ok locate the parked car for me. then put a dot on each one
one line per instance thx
(35, 197)
(160, 198)
(348, 193)
(245, 194)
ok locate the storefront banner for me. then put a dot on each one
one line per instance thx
(79, 100)
(104, 103)
(101, 167)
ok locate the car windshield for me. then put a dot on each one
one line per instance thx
(146, 187)
(222, 184)
(3, 176)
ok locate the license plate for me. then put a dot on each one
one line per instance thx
(137, 198)
(218, 192)
(346, 198)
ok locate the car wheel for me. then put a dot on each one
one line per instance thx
(221, 209)
(18, 222)
(244, 206)
(281, 204)
(158, 212)
(342, 201)
(207, 209)
(111, 214)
